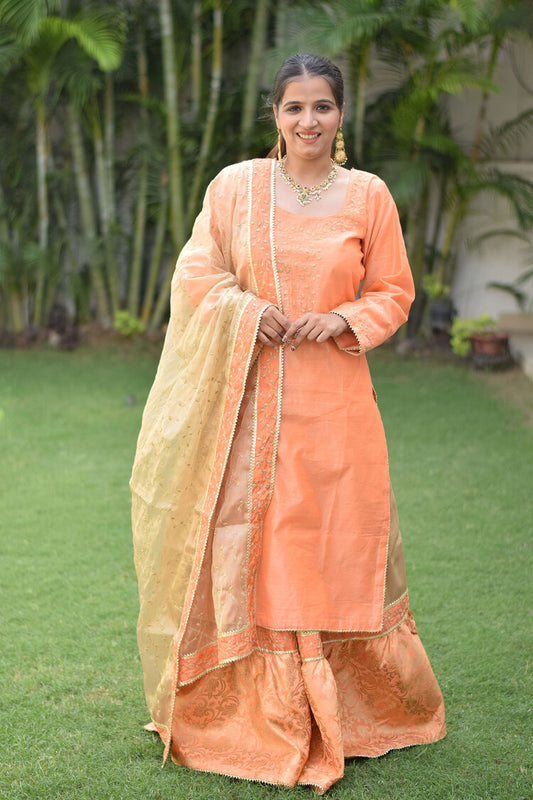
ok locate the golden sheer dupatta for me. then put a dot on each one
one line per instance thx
(185, 439)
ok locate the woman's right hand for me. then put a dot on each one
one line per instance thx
(272, 327)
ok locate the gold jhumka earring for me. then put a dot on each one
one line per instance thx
(279, 144)
(340, 156)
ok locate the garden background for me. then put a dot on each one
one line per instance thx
(113, 118)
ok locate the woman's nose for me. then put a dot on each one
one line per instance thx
(308, 117)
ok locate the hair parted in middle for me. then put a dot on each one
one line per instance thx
(300, 65)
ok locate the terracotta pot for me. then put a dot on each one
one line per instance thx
(489, 344)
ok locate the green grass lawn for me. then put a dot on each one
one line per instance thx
(72, 705)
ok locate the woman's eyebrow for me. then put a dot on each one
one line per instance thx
(300, 102)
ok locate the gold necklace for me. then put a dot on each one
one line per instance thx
(304, 194)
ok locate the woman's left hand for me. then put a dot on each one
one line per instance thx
(314, 327)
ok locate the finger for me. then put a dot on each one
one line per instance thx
(301, 336)
(315, 331)
(294, 329)
(273, 314)
(323, 336)
(266, 341)
(271, 332)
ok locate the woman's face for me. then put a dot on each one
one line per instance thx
(308, 117)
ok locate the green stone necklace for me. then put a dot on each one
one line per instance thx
(304, 194)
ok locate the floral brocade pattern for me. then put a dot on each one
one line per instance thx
(278, 718)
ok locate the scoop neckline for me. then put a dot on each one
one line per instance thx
(321, 216)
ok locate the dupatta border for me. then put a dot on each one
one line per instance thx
(237, 645)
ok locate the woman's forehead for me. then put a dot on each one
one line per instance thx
(307, 87)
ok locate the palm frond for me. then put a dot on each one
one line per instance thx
(503, 138)
(519, 296)
(471, 14)
(11, 53)
(405, 177)
(455, 75)
(24, 16)
(516, 190)
(498, 233)
(94, 33)
(443, 145)
(514, 16)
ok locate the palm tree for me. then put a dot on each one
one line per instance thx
(36, 39)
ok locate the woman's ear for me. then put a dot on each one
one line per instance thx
(342, 115)
(275, 110)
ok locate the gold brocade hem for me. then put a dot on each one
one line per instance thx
(293, 717)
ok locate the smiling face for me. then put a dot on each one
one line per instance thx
(308, 118)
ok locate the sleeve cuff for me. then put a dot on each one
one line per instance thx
(349, 340)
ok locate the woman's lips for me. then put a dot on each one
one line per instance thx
(308, 137)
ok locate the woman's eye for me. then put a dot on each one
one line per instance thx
(323, 108)
(293, 108)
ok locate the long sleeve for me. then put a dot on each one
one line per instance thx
(388, 289)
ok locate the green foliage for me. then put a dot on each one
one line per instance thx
(128, 325)
(126, 174)
(462, 330)
(434, 287)
(516, 289)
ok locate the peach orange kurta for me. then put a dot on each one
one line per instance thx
(326, 529)
(274, 628)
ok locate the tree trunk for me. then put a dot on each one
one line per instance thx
(110, 206)
(281, 24)
(257, 49)
(161, 305)
(196, 59)
(42, 206)
(142, 183)
(83, 186)
(177, 226)
(482, 112)
(360, 102)
(212, 109)
(148, 312)
(138, 239)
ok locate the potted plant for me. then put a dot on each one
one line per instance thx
(441, 310)
(481, 338)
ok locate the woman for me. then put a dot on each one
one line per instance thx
(274, 629)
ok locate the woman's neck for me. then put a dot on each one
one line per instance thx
(308, 172)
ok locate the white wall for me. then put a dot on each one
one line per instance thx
(497, 259)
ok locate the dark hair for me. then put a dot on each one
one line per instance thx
(302, 64)
(307, 64)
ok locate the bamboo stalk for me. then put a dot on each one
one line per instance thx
(87, 215)
(482, 111)
(212, 109)
(196, 58)
(281, 24)
(249, 109)
(177, 222)
(161, 305)
(109, 188)
(42, 205)
(142, 183)
(360, 103)
(138, 239)
(148, 315)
